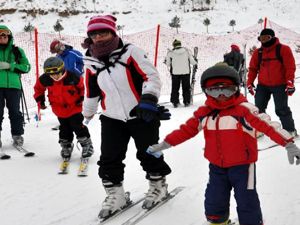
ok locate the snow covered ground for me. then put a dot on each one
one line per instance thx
(32, 193)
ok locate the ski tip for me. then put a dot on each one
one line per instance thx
(5, 157)
(29, 154)
(82, 175)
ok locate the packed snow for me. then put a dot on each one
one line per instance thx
(33, 193)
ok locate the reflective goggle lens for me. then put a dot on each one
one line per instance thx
(4, 32)
(53, 70)
(93, 34)
(216, 91)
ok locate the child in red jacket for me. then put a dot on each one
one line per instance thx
(229, 123)
(65, 95)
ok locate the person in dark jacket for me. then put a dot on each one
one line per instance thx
(13, 63)
(65, 95)
(275, 77)
(229, 124)
(235, 59)
(72, 58)
(127, 85)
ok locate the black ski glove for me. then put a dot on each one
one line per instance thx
(148, 109)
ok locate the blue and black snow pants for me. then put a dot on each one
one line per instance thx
(282, 110)
(242, 179)
(115, 136)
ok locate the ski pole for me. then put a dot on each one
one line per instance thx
(24, 100)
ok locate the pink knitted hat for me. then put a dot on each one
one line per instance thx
(106, 22)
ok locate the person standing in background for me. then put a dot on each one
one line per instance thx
(273, 65)
(179, 61)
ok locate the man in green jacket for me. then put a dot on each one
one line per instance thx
(13, 62)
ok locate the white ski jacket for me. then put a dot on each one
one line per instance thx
(119, 83)
(178, 61)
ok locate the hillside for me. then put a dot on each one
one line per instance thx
(138, 15)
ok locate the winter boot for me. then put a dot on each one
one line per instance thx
(18, 140)
(0, 141)
(67, 148)
(87, 147)
(158, 190)
(294, 134)
(116, 199)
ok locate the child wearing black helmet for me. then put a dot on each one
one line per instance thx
(65, 95)
(229, 123)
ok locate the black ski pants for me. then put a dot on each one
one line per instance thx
(72, 124)
(11, 97)
(115, 136)
(282, 110)
(186, 88)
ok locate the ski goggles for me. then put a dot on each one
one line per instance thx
(216, 91)
(264, 38)
(4, 33)
(54, 70)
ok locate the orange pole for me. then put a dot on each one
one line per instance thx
(37, 63)
(156, 45)
(265, 23)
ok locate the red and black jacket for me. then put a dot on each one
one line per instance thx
(65, 96)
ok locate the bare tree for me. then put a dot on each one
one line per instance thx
(58, 27)
(175, 23)
(206, 22)
(29, 28)
(232, 23)
(260, 21)
(120, 28)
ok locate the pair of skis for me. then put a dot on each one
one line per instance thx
(20, 149)
(82, 170)
(142, 213)
(193, 80)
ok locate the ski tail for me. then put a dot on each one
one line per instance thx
(194, 71)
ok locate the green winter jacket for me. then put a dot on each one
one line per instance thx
(10, 78)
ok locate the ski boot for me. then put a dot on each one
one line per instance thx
(115, 200)
(87, 147)
(158, 191)
(18, 140)
(67, 148)
(227, 222)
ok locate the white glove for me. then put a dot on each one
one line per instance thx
(4, 65)
(292, 152)
(156, 149)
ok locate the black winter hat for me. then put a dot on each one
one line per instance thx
(267, 31)
(176, 43)
(220, 70)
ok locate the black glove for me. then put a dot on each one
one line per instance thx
(163, 113)
(42, 105)
(147, 108)
(79, 101)
(143, 111)
(41, 101)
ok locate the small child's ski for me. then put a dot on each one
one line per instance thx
(129, 204)
(145, 212)
(21, 149)
(83, 167)
(64, 166)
